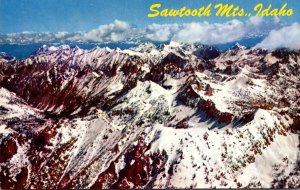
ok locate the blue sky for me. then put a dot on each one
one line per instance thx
(83, 15)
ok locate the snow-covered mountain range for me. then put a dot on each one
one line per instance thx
(168, 116)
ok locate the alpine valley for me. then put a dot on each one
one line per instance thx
(168, 116)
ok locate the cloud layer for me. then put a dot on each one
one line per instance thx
(285, 37)
(114, 32)
(203, 32)
(211, 33)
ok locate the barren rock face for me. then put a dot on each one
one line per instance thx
(186, 116)
(8, 149)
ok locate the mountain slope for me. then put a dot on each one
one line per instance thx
(176, 115)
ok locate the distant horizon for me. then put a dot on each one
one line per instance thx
(21, 51)
(122, 31)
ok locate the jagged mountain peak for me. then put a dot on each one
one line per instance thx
(46, 48)
(238, 46)
(145, 47)
(5, 57)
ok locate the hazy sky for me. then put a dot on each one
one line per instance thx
(83, 15)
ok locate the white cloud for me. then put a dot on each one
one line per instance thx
(197, 32)
(256, 20)
(276, 20)
(161, 32)
(60, 34)
(188, 32)
(285, 37)
(211, 33)
(208, 33)
(116, 31)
